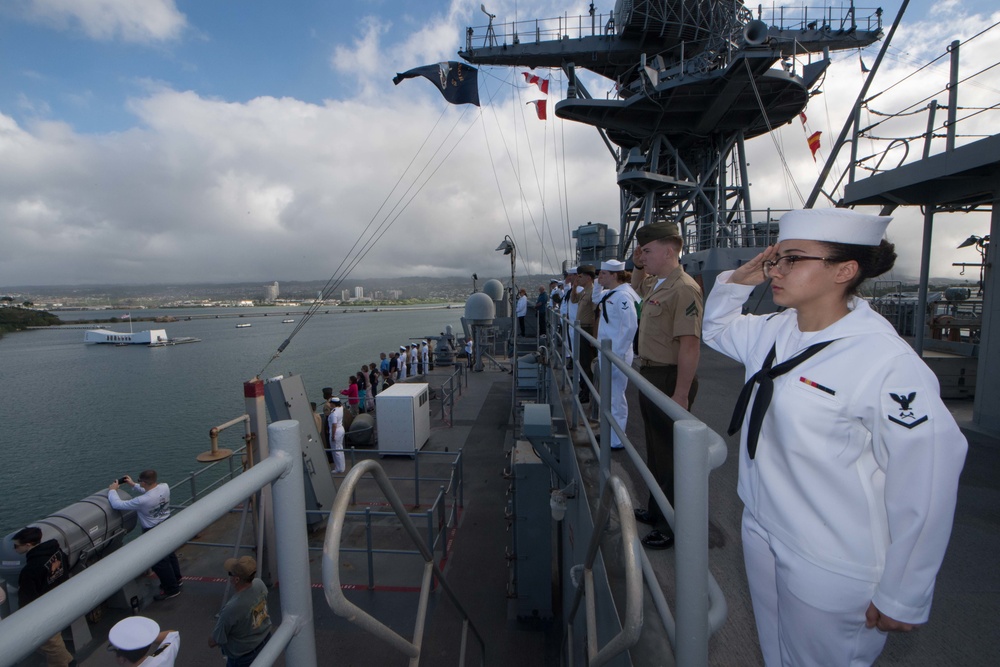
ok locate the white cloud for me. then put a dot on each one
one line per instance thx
(105, 20)
(209, 189)
(364, 59)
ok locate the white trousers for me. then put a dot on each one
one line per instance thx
(827, 630)
(339, 465)
(619, 404)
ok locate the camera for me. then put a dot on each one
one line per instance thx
(122, 480)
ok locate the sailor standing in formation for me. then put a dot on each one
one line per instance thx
(335, 427)
(582, 300)
(849, 464)
(617, 321)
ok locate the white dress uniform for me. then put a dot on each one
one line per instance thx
(335, 425)
(564, 312)
(618, 322)
(402, 361)
(851, 495)
(413, 360)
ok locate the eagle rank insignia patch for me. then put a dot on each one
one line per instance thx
(906, 414)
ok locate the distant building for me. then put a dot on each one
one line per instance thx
(395, 294)
(345, 295)
(359, 292)
(271, 292)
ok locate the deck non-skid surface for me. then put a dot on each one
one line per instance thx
(961, 630)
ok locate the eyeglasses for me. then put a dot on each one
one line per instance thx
(786, 263)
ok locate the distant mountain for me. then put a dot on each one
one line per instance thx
(412, 287)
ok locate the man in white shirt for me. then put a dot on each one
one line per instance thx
(153, 508)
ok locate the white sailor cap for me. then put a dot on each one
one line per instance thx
(133, 633)
(335, 400)
(402, 347)
(833, 225)
(613, 265)
(571, 270)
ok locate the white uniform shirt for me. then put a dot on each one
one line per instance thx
(522, 306)
(166, 653)
(857, 465)
(574, 307)
(618, 319)
(336, 421)
(152, 507)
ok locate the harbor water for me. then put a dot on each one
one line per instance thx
(73, 417)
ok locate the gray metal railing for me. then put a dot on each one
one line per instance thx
(331, 571)
(632, 623)
(450, 387)
(700, 603)
(27, 629)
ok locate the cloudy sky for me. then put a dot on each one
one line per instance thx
(210, 140)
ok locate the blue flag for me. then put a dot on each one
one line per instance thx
(458, 82)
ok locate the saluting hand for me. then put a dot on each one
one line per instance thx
(752, 272)
(876, 619)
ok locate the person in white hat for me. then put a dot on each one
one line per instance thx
(131, 640)
(849, 461)
(404, 359)
(414, 354)
(617, 321)
(335, 427)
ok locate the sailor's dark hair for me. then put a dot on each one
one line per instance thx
(872, 260)
(29, 535)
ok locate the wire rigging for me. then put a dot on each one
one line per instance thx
(342, 272)
(770, 132)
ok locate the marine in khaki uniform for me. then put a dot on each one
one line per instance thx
(583, 297)
(669, 350)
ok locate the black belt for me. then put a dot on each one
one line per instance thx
(646, 363)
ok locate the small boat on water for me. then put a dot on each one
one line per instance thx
(244, 325)
(288, 321)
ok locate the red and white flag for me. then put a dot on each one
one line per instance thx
(543, 84)
(802, 117)
(539, 108)
(127, 316)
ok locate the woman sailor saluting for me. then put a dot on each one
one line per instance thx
(849, 461)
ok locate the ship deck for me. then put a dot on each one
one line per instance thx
(960, 631)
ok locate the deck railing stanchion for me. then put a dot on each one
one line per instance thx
(293, 559)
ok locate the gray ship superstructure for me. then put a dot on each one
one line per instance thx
(694, 80)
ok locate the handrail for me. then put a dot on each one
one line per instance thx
(696, 448)
(27, 628)
(632, 625)
(331, 570)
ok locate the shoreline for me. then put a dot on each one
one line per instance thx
(333, 310)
